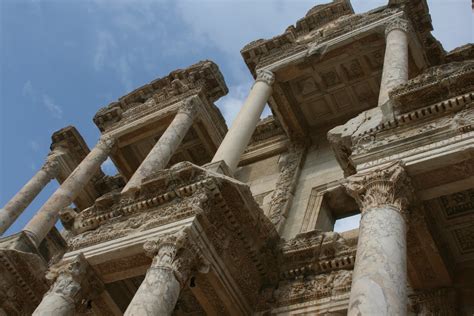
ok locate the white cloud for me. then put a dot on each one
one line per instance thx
(105, 45)
(55, 110)
(27, 90)
(231, 103)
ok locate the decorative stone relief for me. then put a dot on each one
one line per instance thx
(398, 24)
(266, 76)
(388, 186)
(190, 106)
(177, 252)
(282, 196)
(107, 143)
(72, 282)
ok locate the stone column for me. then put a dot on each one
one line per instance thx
(13, 209)
(39, 226)
(166, 146)
(379, 283)
(73, 282)
(395, 65)
(174, 258)
(238, 137)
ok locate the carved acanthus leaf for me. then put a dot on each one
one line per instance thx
(74, 279)
(387, 186)
(178, 252)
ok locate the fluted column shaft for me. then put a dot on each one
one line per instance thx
(395, 66)
(161, 153)
(379, 280)
(39, 226)
(174, 257)
(13, 209)
(238, 137)
(71, 282)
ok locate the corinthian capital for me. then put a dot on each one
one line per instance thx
(176, 252)
(51, 165)
(388, 186)
(398, 24)
(107, 142)
(73, 279)
(190, 106)
(266, 76)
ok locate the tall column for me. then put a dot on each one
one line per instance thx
(166, 146)
(174, 258)
(238, 137)
(395, 65)
(10, 212)
(72, 282)
(379, 280)
(39, 226)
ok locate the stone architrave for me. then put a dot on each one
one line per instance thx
(174, 258)
(238, 137)
(380, 273)
(71, 281)
(166, 146)
(395, 66)
(39, 226)
(13, 209)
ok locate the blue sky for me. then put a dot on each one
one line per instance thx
(61, 60)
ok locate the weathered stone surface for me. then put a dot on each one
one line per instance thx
(251, 232)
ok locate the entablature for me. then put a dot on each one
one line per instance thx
(201, 78)
(221, 211)
(70, 149)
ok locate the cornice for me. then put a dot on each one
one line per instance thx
(202, 78)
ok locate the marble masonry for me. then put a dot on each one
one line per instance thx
(371, 117)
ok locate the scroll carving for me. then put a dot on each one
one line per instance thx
(176, 252)
(385, 186)
(73, 280)
(265, 76)
(398, 24)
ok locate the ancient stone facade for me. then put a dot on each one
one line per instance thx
(370, 116)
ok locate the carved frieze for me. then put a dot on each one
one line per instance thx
(314, 266)
(313, 288)
(232, 221)
(202, 78)
(434, 85)
(451, 117)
